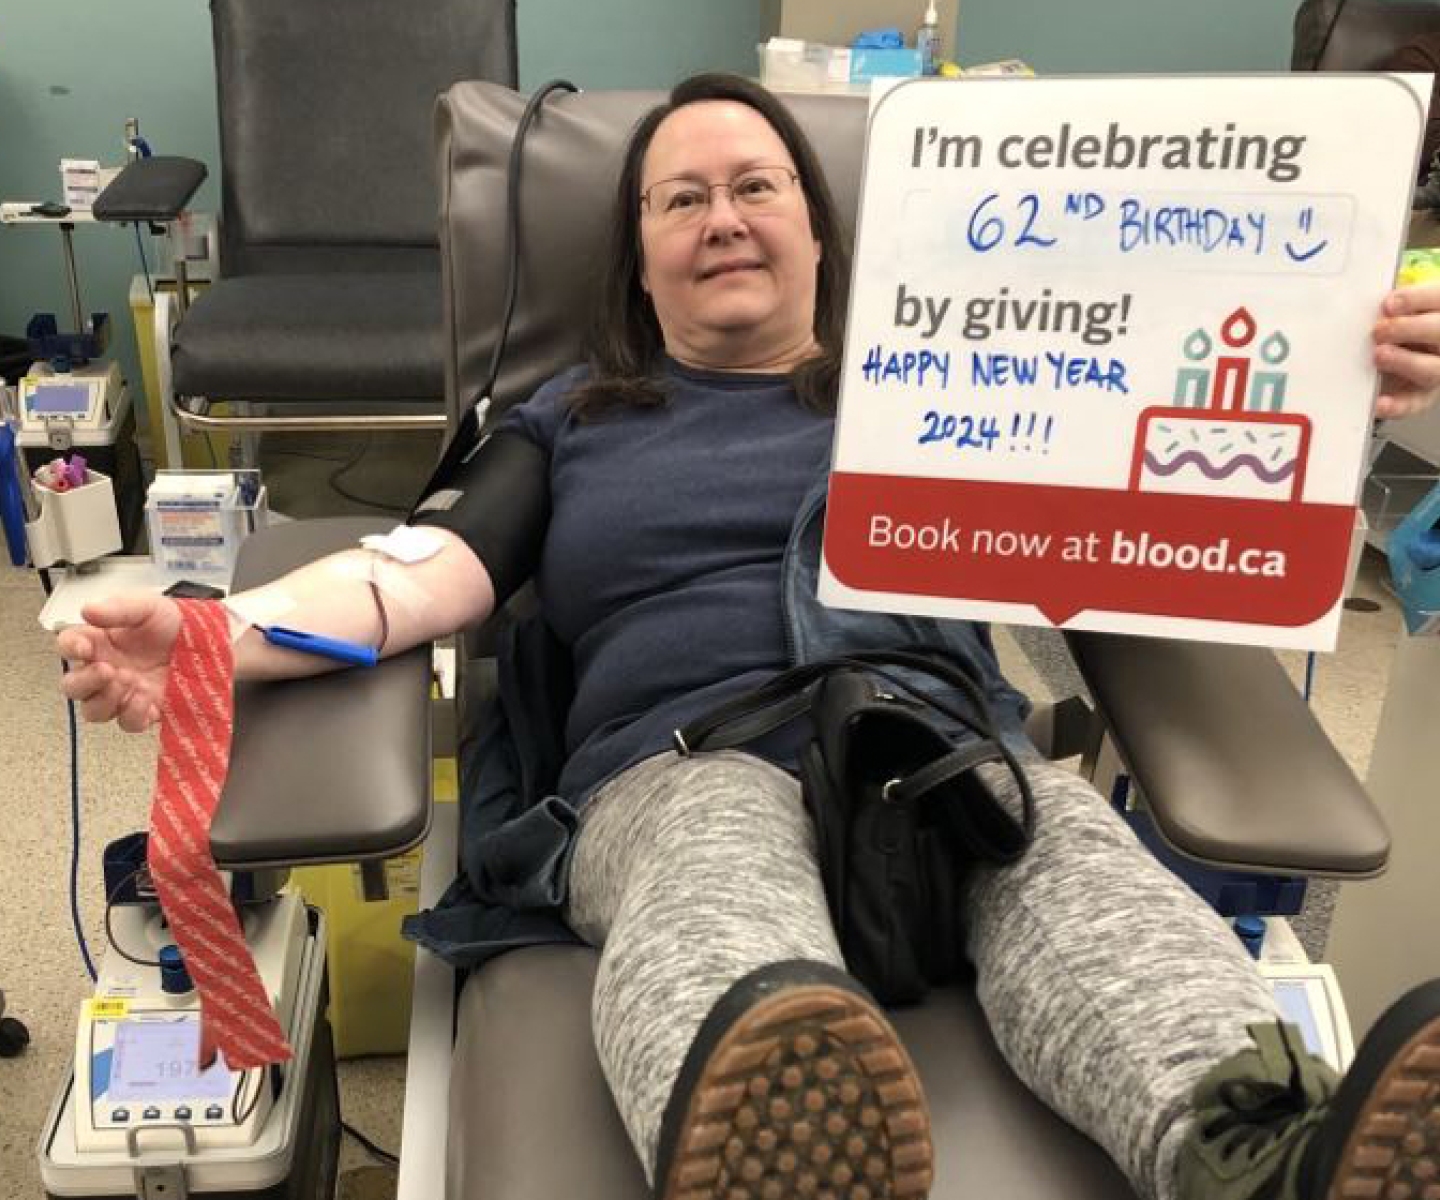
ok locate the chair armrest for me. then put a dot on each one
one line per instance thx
(150, 189)
(1233, 766)
(334, 768)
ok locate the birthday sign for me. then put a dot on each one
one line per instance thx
(1108, 362)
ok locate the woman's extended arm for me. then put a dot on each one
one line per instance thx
(120, 657)
(332, 596)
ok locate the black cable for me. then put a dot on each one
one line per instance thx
(75, 842)
(329, 458)
(49, 588)
(1329, 33)
(348, 465)
(75, 838)
(383, 1155)
(512, 227)
(110, 928)
(347, 462)
(469, 431)
(235, 1099)
(235, 1117)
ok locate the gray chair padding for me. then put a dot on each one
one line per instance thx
(329, 288)
(531, 1116)
(150, 189)
(325, 112)
(351, 336)
(335, 768)
(1235, 768)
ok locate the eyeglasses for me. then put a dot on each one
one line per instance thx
(682, 201)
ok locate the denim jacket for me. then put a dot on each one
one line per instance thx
(517, 839)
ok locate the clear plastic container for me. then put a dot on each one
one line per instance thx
(197, 520)
(787, 64)
(75, 526)
(1388, 498)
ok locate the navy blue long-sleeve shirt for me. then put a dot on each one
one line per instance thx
(661, 564)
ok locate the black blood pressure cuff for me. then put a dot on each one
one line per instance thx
(498, 503)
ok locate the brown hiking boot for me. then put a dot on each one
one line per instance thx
(795, 1086)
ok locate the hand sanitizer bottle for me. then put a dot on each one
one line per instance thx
(927, 40)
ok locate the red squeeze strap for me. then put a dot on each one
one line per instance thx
(196, 718)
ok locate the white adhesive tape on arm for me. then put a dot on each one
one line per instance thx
(408, 544)
(262, 606)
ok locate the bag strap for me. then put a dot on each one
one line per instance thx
(963, 828)
(751, 715)
(790, 694)
(787, 696)
(938, 665)
(942, 770)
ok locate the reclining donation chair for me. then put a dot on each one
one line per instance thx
(327, 312)
(1253, 785)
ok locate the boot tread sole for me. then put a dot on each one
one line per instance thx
(1394, 1149)
(807, 1094)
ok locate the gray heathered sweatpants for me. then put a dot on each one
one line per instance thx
(1109, 986)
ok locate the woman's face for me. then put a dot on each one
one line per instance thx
(733, 283)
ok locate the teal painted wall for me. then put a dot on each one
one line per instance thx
(1127, 35)
(634, 43)
(69, 75)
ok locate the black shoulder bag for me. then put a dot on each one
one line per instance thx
(899, 809)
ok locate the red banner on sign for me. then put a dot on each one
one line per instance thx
(1066, 550)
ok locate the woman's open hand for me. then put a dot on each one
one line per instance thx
(120, 658)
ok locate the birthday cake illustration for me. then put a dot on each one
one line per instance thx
(1226, 433)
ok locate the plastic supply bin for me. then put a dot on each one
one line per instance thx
(197, 520)
(790, 65)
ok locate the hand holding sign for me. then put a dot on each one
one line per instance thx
(1106, 357)
(1407, 350)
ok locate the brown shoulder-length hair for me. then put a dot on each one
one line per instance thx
(623, 344)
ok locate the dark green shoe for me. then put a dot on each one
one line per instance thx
(1255, 1114)
(1273, 1122)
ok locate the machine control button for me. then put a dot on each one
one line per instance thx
(214, 1113)
(182, 1113)
(120, 1115)
(151, 1114)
